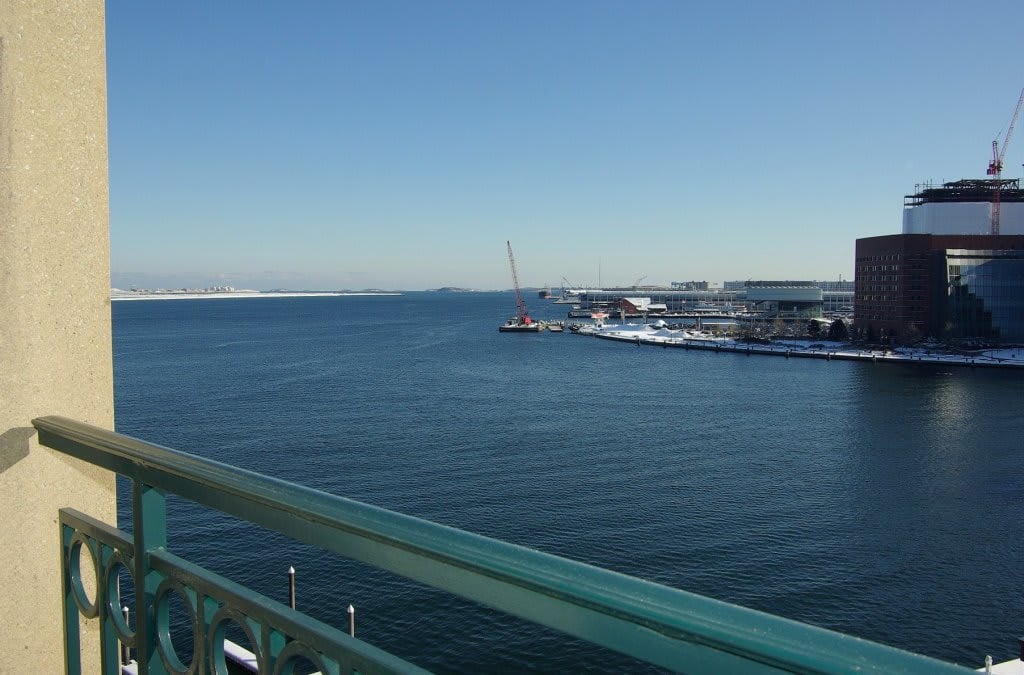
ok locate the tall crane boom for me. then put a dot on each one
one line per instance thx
(995, 167)
(521, 312)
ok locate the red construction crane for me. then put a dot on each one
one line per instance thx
(995, 167)
(521, 313)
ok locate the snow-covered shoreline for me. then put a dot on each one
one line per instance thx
(639, 334)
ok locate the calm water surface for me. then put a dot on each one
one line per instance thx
(879, 500)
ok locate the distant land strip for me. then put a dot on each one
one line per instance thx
(189, 294)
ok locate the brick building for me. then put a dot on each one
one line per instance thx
(941, 285)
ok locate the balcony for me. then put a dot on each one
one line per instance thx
(665, 627)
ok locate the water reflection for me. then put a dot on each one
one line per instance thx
(937, 483)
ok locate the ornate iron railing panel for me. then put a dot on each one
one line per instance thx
(108, 551)
(279, 635)
(663, 626)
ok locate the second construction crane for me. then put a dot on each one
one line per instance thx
(995, 166)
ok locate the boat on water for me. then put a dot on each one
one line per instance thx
(518, 325)
(521, 322)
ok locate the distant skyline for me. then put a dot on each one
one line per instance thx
(398, 145)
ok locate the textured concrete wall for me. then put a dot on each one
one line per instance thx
(55, 347)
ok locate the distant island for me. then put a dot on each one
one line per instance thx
(228, 292)
(232, 292)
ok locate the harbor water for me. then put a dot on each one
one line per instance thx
(884, 501)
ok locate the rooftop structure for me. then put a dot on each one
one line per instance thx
(964, 207)
(965, 190)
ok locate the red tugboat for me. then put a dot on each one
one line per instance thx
(521, 322)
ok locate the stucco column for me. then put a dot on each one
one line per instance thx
(55, 345)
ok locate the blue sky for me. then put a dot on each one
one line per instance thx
(399, 145)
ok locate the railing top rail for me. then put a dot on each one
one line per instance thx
(665, 626)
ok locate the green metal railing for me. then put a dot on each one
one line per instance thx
(660, 625)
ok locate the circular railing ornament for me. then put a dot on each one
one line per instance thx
(294, 653)
(217, 634)
(88, 608)
(165, 645)
(111, 577)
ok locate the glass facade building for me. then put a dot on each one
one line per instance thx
(984, 295)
